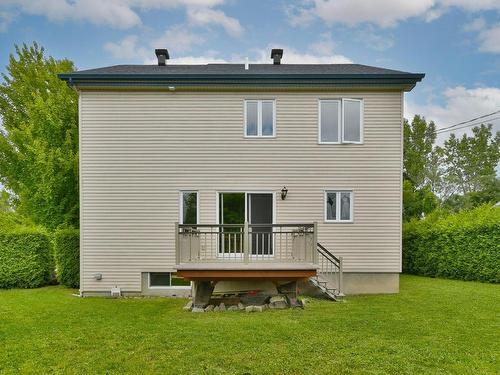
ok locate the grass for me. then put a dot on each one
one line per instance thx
(432, 327)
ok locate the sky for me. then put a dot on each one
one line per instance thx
(456, 43)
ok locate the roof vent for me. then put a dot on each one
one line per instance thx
(276, 55)
(162, 55)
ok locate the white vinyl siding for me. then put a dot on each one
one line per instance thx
(339, 206)
(260, 118)
(340, 121)
(139, 149)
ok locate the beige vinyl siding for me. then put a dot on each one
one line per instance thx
(139, 149)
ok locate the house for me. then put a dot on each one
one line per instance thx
(240, 176)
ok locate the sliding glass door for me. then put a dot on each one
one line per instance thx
(256, 208)
(232, 211)
(260, 213)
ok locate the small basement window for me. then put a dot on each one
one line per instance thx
(167, 280)
(339, 206)
(260, 118)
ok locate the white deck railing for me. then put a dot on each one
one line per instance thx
(286, 243)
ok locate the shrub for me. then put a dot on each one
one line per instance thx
(25, 258)
(463, 246)
(12, 221)
(67, 255)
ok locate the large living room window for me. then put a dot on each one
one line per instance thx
(338, 206)
(340, 121)
(260, 119)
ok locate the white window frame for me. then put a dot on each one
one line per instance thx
(361, 120)
(337, 205)
(170, 282)
(259, 118)
(339, 102)
(181, 205)
(340, 130)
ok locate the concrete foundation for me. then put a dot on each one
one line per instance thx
(371, 283)
(360, 283)
(353, 283)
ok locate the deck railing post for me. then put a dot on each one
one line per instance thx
(245, 243)
(177, 249)
(315, 243)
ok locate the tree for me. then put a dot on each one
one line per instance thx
(490, 194)
(417, 202)
(421, 168)
(39, 142)
(471, 160)
(4, 201)
(420, 163)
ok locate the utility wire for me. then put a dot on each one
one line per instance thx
(465, 122)
(444, 130)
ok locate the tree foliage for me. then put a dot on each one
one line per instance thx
(417, 202)
(470, 161)
(418, 151)
(421, 168)
(5, 201)
(489, 194)
(458, 175)
(39, 142)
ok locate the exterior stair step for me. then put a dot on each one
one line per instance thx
(329, 292)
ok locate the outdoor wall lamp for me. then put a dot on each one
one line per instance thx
(284, 192)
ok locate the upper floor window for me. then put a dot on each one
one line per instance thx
(340, 121)
(260, 118)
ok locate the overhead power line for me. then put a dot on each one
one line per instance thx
(465, 122)
(444, 130)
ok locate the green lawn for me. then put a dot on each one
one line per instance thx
(432, 327)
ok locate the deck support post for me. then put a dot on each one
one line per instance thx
(290, 291)
(202, 292)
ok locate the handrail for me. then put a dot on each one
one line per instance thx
(323, 249)
(330, 269)
(246, 242)
(288, 225)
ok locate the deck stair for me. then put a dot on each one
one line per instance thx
(329, 275)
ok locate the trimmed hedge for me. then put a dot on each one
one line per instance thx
(464, 246)
(67, 255)
(25, 259)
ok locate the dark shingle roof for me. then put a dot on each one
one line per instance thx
(240, 69)
(257, 75)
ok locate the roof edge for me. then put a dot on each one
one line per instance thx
(75, 76)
